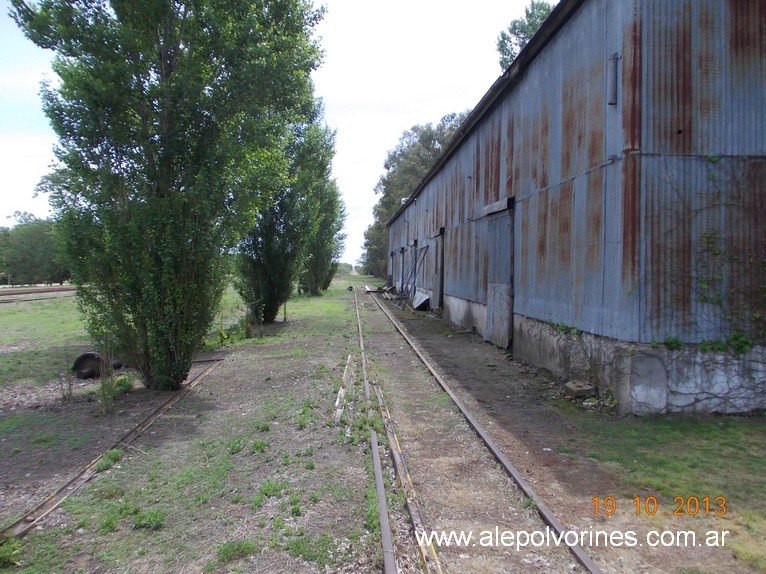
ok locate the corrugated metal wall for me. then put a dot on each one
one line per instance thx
(625, 214)
(703, 169)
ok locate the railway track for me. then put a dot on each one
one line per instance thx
(425, 521)
(22, 525)
(23, 295)
(459, 439)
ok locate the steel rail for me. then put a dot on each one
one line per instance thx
(543, 510)
(405, 481)
(386, 540)
(27, 522)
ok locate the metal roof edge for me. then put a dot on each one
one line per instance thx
(558, 17)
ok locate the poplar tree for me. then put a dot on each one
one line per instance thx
(296, 229)
(167, 114)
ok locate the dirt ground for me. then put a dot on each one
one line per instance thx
(514, 403)
(199, 464)
(51, 440)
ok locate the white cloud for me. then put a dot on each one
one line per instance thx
(23, 162)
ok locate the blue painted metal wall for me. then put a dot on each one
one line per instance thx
(616, 204)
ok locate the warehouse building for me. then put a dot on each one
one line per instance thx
(601, 211)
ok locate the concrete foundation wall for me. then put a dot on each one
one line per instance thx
(646, 380)
(468, 314)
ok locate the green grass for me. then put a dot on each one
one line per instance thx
(41, 339)
(259, 446)
(153, 519)
(683, 456)
(235, 549)
(317, 549)
(40, 430)
(271, 487)
(150, 506)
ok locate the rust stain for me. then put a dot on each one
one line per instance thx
(631, 83)
(567, 127)
(708, 64)
(594, 220)
(484, 269)
(510, 163)
(526, 152)
(746, 34)
(631, 181)
(496, 161)
(554, 238)
(544, 144)
(596, 123)
(534, 153)
(565, 227)
(682, 91)
(476, 181)
(542, 235)
(525, 240)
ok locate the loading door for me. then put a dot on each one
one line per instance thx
(499, 322)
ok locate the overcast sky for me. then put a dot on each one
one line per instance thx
(388, 66)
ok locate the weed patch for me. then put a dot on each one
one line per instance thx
(149, 520)
(110, 458)
(235, 549)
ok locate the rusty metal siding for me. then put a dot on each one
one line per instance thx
(704, 92)
(568, 215)
(705, 249)
(614, 202)
(705, 69)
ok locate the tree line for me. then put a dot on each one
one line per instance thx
(28, 253)
(190, 144)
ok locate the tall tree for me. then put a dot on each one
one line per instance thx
(417, 150)
(325, 246)
(305, 209)
(520, 31)
(166, 112)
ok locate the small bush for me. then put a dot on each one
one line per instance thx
(150, 520)
(128, 509)
(109, 490)
(271, 487)
(258, 501)
(10, 552)
(260, 426)
(235, 445)
(109, 459)
(122, 385)
(109, 522)
(259, 446)
(235, 549)
(740, 342)
(673, 343)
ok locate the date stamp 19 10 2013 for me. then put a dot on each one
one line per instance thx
(683, 506)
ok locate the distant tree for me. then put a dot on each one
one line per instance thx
(28, 252)
(325, 245)
(406, 164)
(165, 113)
(3, 265)
(520, 31)
(305, 217)
(345, 269)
